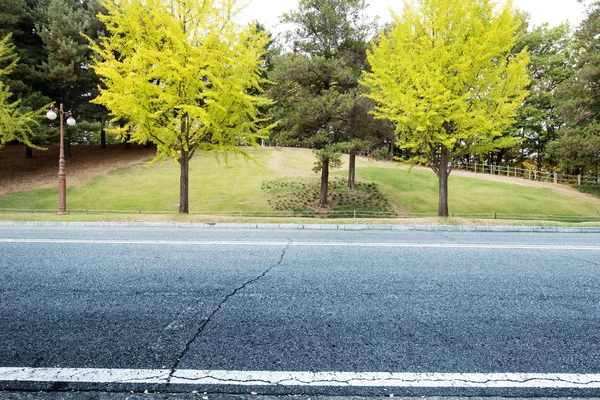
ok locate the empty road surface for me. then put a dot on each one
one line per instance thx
(241, 311)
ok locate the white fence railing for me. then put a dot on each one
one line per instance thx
(531, 174)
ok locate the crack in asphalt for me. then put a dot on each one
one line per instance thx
(218, 382)
(214, 378)
(218, 308)
(144, 378)
(352, 382)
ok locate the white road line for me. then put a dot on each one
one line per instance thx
(303, 244)
(285, 378)
(74, 375)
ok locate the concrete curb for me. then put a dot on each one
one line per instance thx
(327, 227)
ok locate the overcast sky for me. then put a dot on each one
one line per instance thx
(551, 11)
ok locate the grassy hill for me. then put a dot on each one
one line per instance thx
(279, 180)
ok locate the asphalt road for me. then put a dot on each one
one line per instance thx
(290, 300)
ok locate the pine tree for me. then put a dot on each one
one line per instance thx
(67, 76)
(317, 93)
(538, 121)
(578, 145)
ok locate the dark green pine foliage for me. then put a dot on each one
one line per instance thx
(578, 145)
(25, 82)
(66, 73)
(317, 99)
(551, 65)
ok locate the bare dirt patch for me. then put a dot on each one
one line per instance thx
(280, 163)
(18, 173)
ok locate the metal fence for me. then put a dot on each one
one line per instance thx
(522, 173)
(530, 174)
(323, 214)
(236, 213)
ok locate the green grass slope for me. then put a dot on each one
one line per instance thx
(417, 193)
(239, 185)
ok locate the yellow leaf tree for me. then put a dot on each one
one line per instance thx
(181, 74)
(17, 123)
(445, 76)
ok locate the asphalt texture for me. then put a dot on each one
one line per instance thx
(284, 307)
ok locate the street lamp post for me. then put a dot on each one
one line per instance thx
(62, 177)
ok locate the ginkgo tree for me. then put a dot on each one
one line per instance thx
(183, 75)
(445, 75)
(17, 123)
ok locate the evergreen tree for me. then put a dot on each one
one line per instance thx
(317, 94)
(68, 78)
(578, 146)
(551, 64)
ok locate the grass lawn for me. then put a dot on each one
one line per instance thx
(239, 185)
(593, 190)
(213, 186)
(417, 192)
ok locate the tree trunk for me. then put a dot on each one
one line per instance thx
(183, 182)
(67, 145)
(324, 184)
(127, 144)
(352, 171)
(443, 183)
(28, 152)
(102, 136)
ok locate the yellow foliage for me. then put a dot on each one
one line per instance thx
(445, 75)
(16, 123)
(181, 74)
